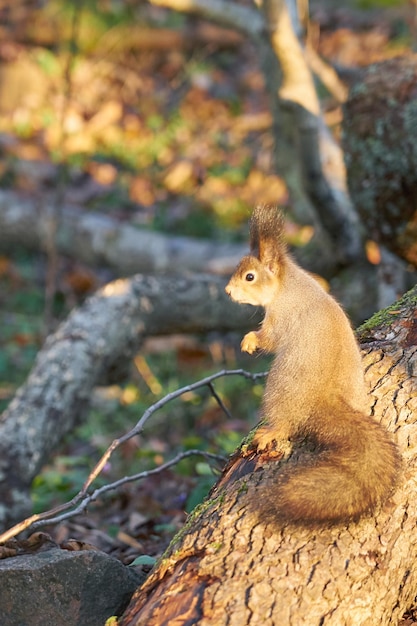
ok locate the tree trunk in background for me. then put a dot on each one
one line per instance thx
(108, 327)
(380, 142)
(302, 140)
(227, 568)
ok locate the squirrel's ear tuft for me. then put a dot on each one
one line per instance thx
(266, 235)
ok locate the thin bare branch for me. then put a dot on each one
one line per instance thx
(220, 401)
(83, 498)
(327, 74)
(88, 498)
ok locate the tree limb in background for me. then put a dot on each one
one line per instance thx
(327, 74)
(307, 156)
(98, 239)
(108, 327)
(248, 21)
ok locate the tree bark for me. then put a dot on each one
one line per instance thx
(101, 240)
(229, 568)
(380, 139)
(108, 327)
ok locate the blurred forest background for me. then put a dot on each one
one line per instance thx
(137, 115)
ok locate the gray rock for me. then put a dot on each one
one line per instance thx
(62, 588)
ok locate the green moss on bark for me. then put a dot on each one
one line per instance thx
(384, 318)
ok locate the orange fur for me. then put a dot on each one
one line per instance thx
(344, 462)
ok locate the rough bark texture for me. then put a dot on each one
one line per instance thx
(101, 240)
(108, 327)
(380, 142)
(229, 568)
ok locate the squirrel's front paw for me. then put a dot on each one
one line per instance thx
(250, 342)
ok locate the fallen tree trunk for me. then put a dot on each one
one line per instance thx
(108, 327)
(98, 239)
(229, 568)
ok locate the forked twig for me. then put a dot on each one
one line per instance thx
(219, 401)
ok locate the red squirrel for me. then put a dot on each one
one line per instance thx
(342, 462)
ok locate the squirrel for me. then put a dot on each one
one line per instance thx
(342, 463)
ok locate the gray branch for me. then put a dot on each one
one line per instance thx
(98, 239)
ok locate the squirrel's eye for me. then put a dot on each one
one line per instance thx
(249, 276)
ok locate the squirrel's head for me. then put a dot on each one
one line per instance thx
(259, 275)
(252, 283)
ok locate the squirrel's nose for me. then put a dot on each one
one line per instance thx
(227, 289)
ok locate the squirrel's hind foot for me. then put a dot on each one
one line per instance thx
(264, 442)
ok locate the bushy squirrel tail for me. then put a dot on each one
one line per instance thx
(334, 478)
